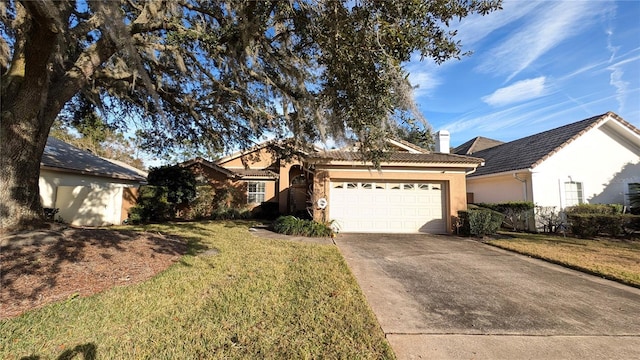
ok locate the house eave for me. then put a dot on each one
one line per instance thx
(132, 179)
(396, 164)
(502, 173)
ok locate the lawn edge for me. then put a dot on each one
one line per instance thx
(566, 265)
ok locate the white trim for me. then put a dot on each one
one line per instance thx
(403, 146)
(394, 171)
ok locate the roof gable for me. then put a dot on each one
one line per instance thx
(241, 174)
(404, 145)
(476, 144)
(60, 156)
(531, 151)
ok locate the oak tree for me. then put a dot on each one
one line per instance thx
(220, 73)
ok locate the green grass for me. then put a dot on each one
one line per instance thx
(254, 298)
(613, 259)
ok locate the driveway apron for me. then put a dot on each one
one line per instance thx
(442, 297)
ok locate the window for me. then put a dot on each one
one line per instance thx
(423, 186)
(352, 185)
(367, 186)
(408, 186)
(255, 192)
(380, 186)
(573, 193)
(339, 186)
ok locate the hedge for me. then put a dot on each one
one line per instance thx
(479, 222)
(589, 225)
(516, 212)
(152, 205)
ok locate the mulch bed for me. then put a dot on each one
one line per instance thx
(41, 267)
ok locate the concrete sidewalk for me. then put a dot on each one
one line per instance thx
(442, 297)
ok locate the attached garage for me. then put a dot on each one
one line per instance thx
(388, 207)
(413, 191)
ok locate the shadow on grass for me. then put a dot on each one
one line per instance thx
(87, 351)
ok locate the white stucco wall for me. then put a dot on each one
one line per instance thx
(600, 159)
(83, 200)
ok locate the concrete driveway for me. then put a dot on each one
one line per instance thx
(441, 297)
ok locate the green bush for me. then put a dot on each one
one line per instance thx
(152, 205)
(231, 214)
(480, 221)
(602, 209)
(179, 182)
(516, 213)
(291, 225)
(590, 224)
(202, 206)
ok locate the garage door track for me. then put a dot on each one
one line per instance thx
(442, 297)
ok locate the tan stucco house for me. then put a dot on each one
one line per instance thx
(595, 160)
(87, 189)
(414, 190)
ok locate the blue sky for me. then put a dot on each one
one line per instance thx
(536, 65)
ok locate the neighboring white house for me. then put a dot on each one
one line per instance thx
(88, 190)
(591, 161)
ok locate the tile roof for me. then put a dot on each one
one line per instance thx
(62, 156)
(214, 166)
(255, 173)
(476, 144)
(399, 156)
(231, 173)
(530, 151)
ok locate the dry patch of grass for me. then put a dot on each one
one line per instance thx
(613, 259)
(235, 296)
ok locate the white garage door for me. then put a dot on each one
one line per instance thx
(392, 207)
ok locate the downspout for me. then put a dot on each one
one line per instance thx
(473, 170)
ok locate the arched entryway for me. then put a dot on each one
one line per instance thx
(299, 192)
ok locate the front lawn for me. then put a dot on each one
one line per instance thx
(613, 259)
(239, 297)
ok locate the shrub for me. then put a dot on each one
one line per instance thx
(291, 225)
(516, 213)
(180, 183)
(480, 221)
(152, 205)
(202, 206)
(548, 218)
(603, 209)
(590, 225)
(231, 214)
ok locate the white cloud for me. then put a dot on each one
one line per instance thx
(517, 92)
(550, 25)
(424, 82)
(472, 29)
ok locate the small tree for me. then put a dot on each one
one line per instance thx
(179, 182)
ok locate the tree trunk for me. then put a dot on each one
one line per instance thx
(25, 123)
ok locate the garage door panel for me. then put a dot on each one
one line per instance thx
(388, 207)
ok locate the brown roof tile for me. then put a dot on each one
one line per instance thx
(400, 157)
